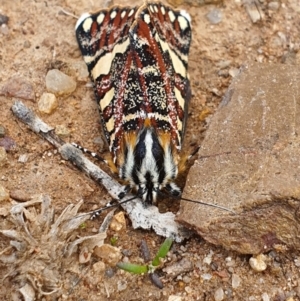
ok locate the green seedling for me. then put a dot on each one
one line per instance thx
(113, 240)
(150, 268)
(83, 226)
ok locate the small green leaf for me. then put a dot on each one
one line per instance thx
(133, 268)
(163, 251)
(113, 240)
(83, 226)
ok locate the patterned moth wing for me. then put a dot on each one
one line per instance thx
(138, 61)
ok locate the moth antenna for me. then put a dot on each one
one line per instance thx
(97, 212)
(209, 204)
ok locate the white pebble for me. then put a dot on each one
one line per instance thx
(265, 297)
(214, 16)
(219, 294)
(236, 281)
(206, 276)
(122, 285)
(59, 83)
(258, 263)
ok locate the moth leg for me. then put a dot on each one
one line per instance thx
(87, 151)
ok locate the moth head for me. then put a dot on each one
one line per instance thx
(149, 166)
(150, 191)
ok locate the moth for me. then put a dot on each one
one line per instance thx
(137, 58)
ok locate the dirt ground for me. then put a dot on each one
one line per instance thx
(38, 37)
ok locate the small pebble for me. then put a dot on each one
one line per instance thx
(4, 29)
(59, 83)
(8, 143)
(3, 19)
(18, 87)
(81, 70)
(188, 289)
(121, 285)
(23, 158)
(214, 16)
(100, 143)
(180, 267)
(219, 294)
(235, 281)
(126, 253)
(265, 297)
(99, 267)
(109, 272)
(208, 258)
(26, 44)
(274, 5)
(233, 72)
(224, 64)
(47, 103)
(118, 222)
(2, 131)
(206, 276)
(4, 194)
(109, 254)
(62, 131)
(186, 279)
(258, 263)
(20, 195)
(3, 156)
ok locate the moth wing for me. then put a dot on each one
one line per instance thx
(160, 38)
(103, 38)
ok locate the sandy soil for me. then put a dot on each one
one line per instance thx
(39, 37)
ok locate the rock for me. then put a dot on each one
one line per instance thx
(118, 222)
(274, 5)
(4, 29)
(2, 131)
(99, 267)
(4, 194)
(219, 294)
(81, 70)
(23, 158)
(254, 11)
(18, 87)
(250, 164)
(28, 293)
(62, 131)
(8, 143)
(59, 83)
(3, 156)
(235, 281)
(109, 254)
(3, 19)
(47, 103)
(180, 267)
(258, 263)
(233, 72)
(20, 195)
(265, 297)
(121, 285)
(214, 16)
(26, 44)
